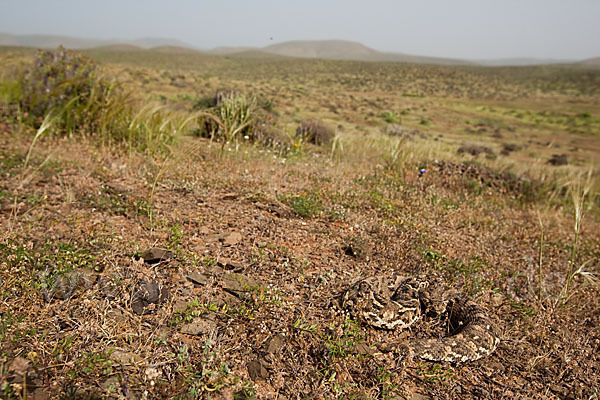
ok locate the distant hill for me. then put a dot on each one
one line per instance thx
(328, 49)
(521, 62)
(323, 49)
(591, 61)
(53, 41)
(348, 50)
(224, 50)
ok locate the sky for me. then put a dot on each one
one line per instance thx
(470, 29)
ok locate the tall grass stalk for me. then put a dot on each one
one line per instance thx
(337, 147)
(578, 187)
(540, 256)
(48, 121)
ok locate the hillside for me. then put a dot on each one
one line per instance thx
(348, 50)
(53, 41)
(591, 62)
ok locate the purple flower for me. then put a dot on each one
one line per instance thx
(422, 171)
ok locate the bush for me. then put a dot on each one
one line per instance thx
(314, 131)
(230, 120)
(66, 83)
(475, 150)
(272, 137)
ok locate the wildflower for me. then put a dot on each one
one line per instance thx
(422, 172)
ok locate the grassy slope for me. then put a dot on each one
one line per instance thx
(87, 207)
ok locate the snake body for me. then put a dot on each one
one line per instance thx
(397, 303)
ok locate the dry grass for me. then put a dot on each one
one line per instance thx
(243, 308)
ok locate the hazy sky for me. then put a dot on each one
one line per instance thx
(568, 29)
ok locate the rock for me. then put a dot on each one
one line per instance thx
(198, 278)
(65, 285)
(239, 285)
(230, 265)
(116, 315)
(111, 385)
(232, 239)
(20, 366)
(155, 255)
(199, 327)
(229, 196)
(362, 348)
(257, 370)
(275, 344)
(124, 358)
(147, 294)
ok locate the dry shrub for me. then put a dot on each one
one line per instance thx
(558, 159)
(315, 131)
(272, 137)
(475, 150)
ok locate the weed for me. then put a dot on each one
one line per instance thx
(232, 119)
(578, 187)
(390, 117)
(435, 373)
(305, 205)
(175, 237)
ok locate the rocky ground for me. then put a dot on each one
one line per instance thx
(218, 277)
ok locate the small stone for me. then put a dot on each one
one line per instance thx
(148, 293)
(230, 265)
(124, 358)
(198, 278)
(362, 348)
(257, 371)
(155, 255)
(111, 385)
(180, 305)
(199, 327)
(20, 366)
(232, 239)
(239, 285)
(229, 196)
(275, 344)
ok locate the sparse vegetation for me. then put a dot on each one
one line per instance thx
(261, 226)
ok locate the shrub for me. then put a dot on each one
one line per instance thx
(305, 205)
(271, 136)
(68, 84)
(230, 120)
(314, 131)
(476, 150)
(390, 117)
(558, 159)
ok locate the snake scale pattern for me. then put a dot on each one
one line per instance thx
(396, 303)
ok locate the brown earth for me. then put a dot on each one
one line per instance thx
(259, 247)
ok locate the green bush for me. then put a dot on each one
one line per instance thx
(67, 84)
(305, 205)
(232, 119)
(390, 117)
